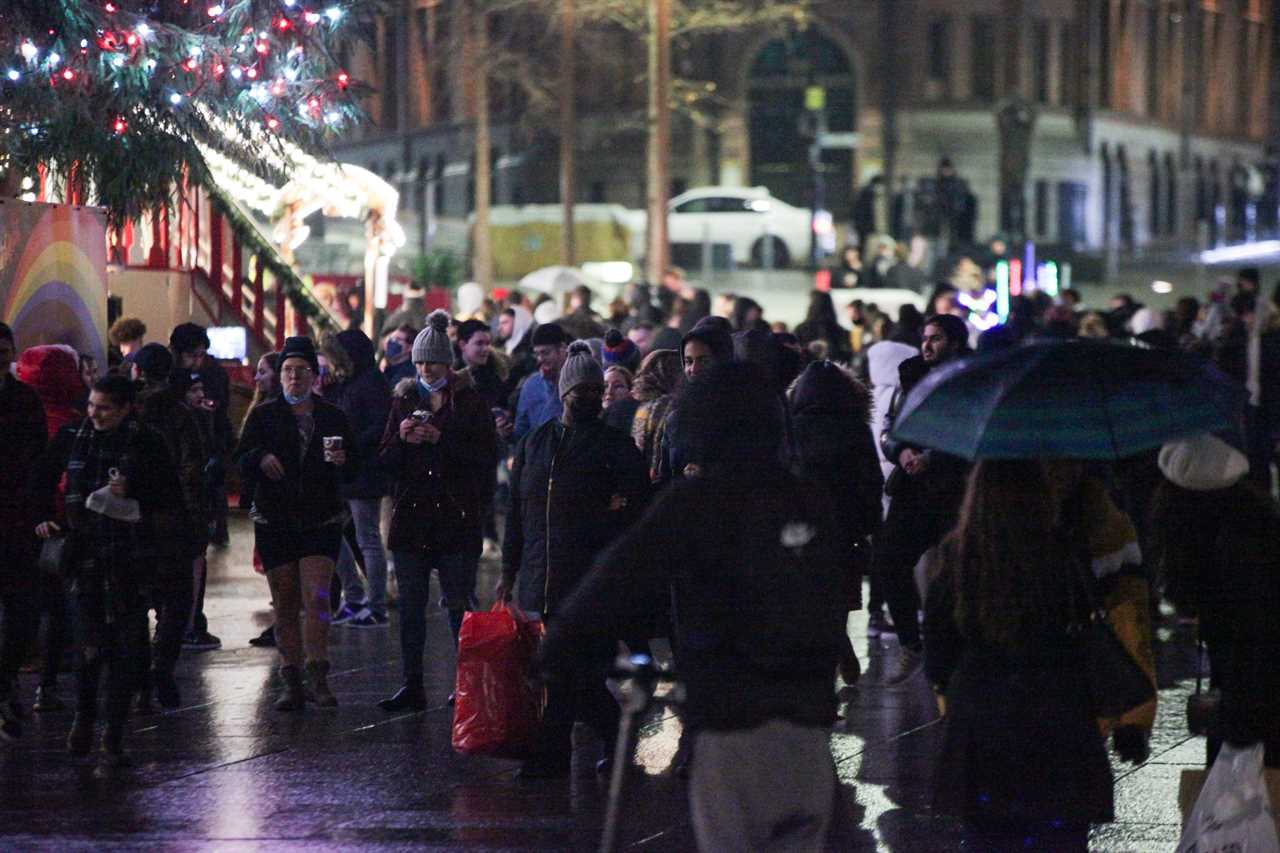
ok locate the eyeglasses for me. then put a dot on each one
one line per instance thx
(296, 371)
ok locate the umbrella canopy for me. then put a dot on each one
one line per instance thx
(1067, 399)
(554, 280)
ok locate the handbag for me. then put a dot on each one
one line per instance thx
(55, 556)
(1116, 682)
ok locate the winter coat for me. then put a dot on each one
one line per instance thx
(440, 491)
(492, 381)
(22, 423)
(310, 493)
(1020, 743)
(621, 414)
(563, 480)
(883, 360)
(754, 561)
(179, 530)
(365, 399)
(939, 488)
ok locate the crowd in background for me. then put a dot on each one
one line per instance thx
(668, 466)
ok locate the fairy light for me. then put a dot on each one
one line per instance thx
(215, 10)
(29, 51)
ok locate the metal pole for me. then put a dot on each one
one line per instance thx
(659, 124)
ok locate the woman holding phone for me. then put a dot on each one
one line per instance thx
(294, 450)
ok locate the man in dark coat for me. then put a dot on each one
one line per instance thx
(112, 448)
(22, 423)
(576, 484)
(366, 400)
(179, 532)
(757, 567)
(925, 489)
(441, 444)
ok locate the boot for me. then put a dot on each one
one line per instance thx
(166, 690)
(411, 697)
(80, 738)
(294, 698)
(113, 754)
(318, 684)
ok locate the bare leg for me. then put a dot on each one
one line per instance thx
(316, 574)
(286, 598)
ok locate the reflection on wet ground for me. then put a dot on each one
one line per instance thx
(227, 771)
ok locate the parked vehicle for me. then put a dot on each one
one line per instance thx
(749, 219)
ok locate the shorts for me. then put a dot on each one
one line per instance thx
(278, 548)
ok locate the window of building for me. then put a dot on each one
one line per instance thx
(1104, 54)
(1170, 195)
(1066, 63)
(1072, 196)
(939, 49)
(1042, 209)
(1153, 203)
(596, 192)
(1040, 61)
(439, 185)
(983, 59)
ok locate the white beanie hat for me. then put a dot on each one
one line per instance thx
(1202, 463)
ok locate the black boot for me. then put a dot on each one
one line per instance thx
(166, 690)
(113, 754)
(411, 697)
(80, 738)
(294, 698)
(265, 640)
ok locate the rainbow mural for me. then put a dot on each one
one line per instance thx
(53, 275)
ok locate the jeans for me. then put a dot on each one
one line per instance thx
(366, 514)
(457, 573)
(123, 645)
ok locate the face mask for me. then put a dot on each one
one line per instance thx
(432, 387)
(585, 409)
(292, 400)
(394, 348)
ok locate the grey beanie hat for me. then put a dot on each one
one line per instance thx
(432, 344)
(580, 367)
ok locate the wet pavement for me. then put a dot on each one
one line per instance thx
(226, 771)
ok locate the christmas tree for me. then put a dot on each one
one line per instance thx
(123, 99)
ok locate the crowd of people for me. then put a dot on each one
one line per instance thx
(679, 468)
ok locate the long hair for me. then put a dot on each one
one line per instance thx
(822, 310)
(273, 360)
(1010, 580)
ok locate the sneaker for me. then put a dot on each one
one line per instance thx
(908, 663)
(879, 625)
(200, 641)
(47, 699)
(346, 613)
(366, 618)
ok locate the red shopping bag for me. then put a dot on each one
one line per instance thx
(497, 711)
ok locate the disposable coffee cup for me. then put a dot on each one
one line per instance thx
(331, 443)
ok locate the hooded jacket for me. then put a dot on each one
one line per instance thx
(563, 481)
(22, 423)
(440, 491)
(365, 399)
(53, 372)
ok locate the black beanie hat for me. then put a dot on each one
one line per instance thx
(549, 335)
(154, 361)
(186, 337)
(300, 347)
(182, 380)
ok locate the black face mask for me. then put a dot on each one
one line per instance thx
(583, 409)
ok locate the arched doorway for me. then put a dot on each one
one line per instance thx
(781, 71)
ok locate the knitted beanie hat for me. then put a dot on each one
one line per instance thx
(579, 368)
(620, 351)
(432, 344)
(1202, 463)
(300, 347)
(155, 361)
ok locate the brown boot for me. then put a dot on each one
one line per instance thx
(318, 684)
(294, 698)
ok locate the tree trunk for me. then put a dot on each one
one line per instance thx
(568, 132)
(481, 247)
(659, 143)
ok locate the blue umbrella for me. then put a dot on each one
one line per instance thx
(1071, 399)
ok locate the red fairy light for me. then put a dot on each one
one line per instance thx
(68, 75)
(252, 73)
(343, 80)
(218, 70)
(110, 7)
(277, 88)
(190, 64)
(312, 17)
(314, 103)
(273, 123)
(262, 47)
(131, 39)
(120, 126)
(283, 24)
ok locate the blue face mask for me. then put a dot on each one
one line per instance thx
(292, 400)
(394, 348)
(432, 387)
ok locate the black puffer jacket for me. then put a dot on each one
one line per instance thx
(310, 494)
(563, 481)
(758, 590)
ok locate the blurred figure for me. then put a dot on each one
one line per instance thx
(619, 406)
(660, 377)
(821, 324)
(127, 334)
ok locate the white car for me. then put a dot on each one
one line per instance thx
(747, 218)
